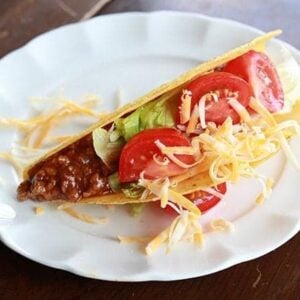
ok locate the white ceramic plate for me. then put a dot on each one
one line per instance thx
(134, 52)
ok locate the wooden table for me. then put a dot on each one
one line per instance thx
(274, 276)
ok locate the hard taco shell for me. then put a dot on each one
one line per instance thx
(197, 182)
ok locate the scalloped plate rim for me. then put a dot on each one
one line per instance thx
(154, 276)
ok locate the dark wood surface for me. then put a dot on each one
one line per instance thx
(273, 276)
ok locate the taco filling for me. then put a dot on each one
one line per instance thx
(218, 125)
(71, 174)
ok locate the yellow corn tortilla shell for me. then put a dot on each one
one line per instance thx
(200, 181)
(192, 184)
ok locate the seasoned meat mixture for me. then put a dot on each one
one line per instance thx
(71, 174)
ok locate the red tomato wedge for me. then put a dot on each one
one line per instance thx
(224, 84)
(257, 69)
(137, 155)
(203, 200)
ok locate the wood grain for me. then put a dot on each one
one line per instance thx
(280, 279)
(273, 276)
(21, 20)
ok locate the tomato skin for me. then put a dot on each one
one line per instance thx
(218, 111)
(137, 155)
(257, 69)
(203, 200)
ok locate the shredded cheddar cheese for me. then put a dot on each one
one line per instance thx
(64, 205)
(221, 225)
(185, 108)
(241, 110)
(170, 152)
(278, 130)
(192, 125)
(161, 189)
(163, 162)
(36, 129)
(183, 227)
(39, 210)
(267, 185)
(201, 112)
(228, 152)
(84, 217)
(133, 239)
(71, 211)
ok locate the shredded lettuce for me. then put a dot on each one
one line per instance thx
(132, 190)
(129, 126)
(114, 183)
(157, 113)
(107, 146)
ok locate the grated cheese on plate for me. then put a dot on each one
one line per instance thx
(184, 227)
(36, 129)
(221, 225)
(133, 239)
(185, 108)
(84, 217)
(39, 210)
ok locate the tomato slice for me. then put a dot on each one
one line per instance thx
(137, 155)
(257, 69)
(203, 200)
(226, 84)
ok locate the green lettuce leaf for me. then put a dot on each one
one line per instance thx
(155, 114)
(114, 182)
(132, 190)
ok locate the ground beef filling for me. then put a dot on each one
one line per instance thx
(73, 173)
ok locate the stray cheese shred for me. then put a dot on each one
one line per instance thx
(184, 227)
(241, 110)
(133, 239)
(221, 225)
(161, 189)
(192, 125)
(39, 210)
(202, 103)
(84, 217)
(36, 129)
(185, 108)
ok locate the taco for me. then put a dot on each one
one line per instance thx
(180, 143)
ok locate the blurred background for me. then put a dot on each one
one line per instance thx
(21, 20)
